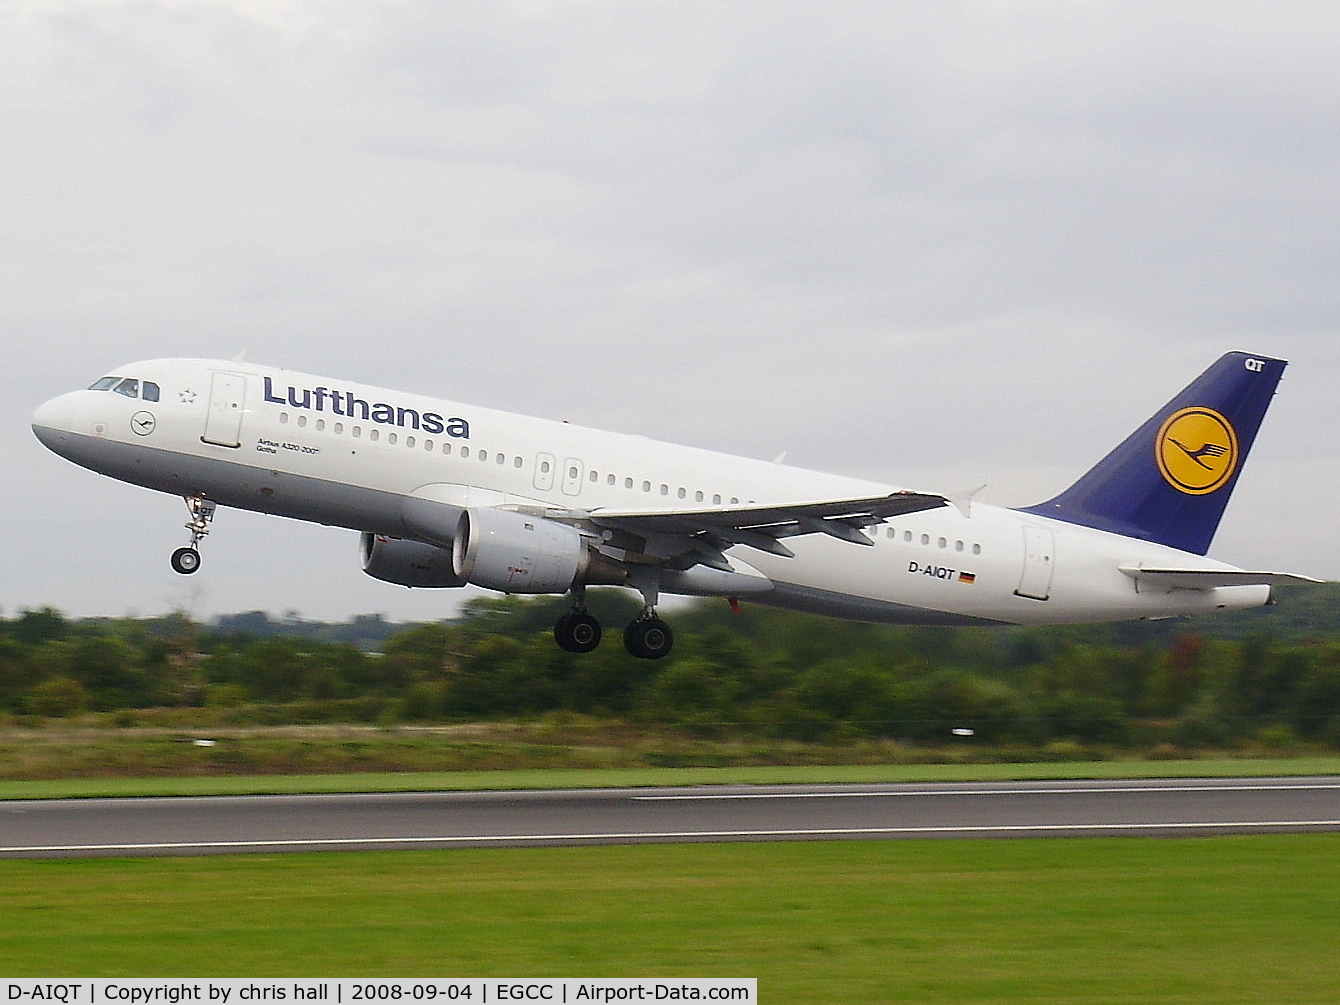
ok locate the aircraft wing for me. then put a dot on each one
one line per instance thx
(1208, 579)
(701, 535)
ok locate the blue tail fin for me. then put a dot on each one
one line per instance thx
(1170, 480)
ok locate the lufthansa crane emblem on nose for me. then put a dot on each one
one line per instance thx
(143, 423)
(1197, 450)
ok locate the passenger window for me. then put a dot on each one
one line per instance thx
(734, 501)
(942, 542)
(698, 496)
(374, 434)
(609, 480)
(646, 486)
(320, 424)
(130, 387)
(595, 476)
(339, 428)
(628, 483)
(391, 437)
(572, 472)
(483, 455)
(665, 490)
(465, 451)
(682, 493)
(925, 539)
(501, 458)
(891, 533)
(104, 384)
(302, 422)
(958, 545)
(716, 499)
(409, 441)
(976, 549)
(428, 445)
(150, 391)
(446, 446)
(358, 431)
(544, 467)
(283, 418)
(517, 463)
(907, 535)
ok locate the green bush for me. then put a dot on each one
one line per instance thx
(57, 698)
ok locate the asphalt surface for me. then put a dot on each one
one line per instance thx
(230, 824)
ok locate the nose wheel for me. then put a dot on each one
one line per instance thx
(187, 560)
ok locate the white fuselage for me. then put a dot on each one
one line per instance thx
(346, 454)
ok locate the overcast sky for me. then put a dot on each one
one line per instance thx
(934, 244)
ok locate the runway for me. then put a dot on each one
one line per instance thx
(219, 825)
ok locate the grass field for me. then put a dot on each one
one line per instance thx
(556, 778)
(97, 746)
(1222, 920)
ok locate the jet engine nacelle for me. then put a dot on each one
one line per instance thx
(407, 563)
(508, 551)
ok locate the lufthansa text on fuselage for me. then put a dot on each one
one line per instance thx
(347, 404)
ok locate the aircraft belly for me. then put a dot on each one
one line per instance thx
(241, 486)
(888, 583)
(798, 597)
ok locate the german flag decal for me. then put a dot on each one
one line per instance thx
(967, 577)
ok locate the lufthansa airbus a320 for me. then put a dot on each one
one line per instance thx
(446, 494)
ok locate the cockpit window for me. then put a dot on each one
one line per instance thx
(128, 386)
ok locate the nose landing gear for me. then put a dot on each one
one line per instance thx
(187, 560)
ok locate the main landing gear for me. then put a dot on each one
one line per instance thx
(647, 637)
(187, 560)
(577, 632)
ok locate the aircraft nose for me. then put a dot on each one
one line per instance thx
(52, 417)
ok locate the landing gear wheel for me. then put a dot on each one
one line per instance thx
(648, 638)
(185, 561)
(577, 632)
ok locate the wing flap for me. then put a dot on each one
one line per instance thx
(763, 527)
(863, 512)
(682, 538)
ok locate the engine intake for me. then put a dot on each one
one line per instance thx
(407, 563)
(508, 551)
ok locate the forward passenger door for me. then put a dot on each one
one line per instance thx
(227, 404)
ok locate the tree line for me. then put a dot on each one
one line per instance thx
(763, 672)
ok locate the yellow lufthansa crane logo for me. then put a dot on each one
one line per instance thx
(1197, 450)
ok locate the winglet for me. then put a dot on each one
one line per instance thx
(962, 500)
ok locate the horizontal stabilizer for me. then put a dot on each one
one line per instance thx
(1208, 579)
